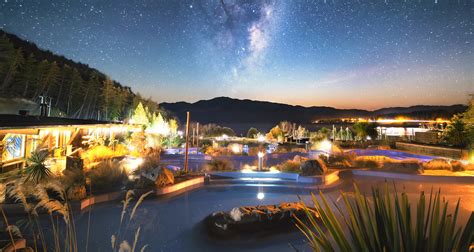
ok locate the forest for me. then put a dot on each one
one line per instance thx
(76, 90)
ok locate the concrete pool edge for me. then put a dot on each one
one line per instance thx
(415, 177)
(113, 196)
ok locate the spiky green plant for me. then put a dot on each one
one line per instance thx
(385, 223)
(36, 170)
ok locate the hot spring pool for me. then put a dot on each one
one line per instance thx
(173, 223)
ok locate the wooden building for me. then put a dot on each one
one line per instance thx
(22, 135)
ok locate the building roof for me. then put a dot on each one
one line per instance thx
(20, 121)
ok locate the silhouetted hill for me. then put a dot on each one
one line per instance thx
(76, 89)
(227, 110)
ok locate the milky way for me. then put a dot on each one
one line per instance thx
(351, 53)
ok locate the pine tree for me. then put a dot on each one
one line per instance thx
(108, 93)
(73, 91)
(140, 115)
(7, 53)
(12, 66)
(27, 76)
(65, 78)
(52, 78)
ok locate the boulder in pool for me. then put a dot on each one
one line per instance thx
(254, 220)
(313, 167)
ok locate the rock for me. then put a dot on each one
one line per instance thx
(165, 177)
(410, 167)
(76, 192)
(313, 167)
(252, 220)
(235, 214)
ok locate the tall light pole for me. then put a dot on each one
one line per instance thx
(187, 144)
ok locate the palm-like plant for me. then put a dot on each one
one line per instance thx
(36, 169)
(385, 223)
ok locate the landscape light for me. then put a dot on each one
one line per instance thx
(261, 138)
(236, 148)
(325, 146)
(261, 154)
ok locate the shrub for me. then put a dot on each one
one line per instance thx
(73, 177)
(364, 162)
(150, 161)
(219, 165)
(289, 166)
(438, 164)
(384, 222)
(313, 167)
(405, 166)
(342, 159)
(107, 174)
(100, 153)
(457, 165)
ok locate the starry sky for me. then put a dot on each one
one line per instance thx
(342, 53)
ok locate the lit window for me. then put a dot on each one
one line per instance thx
(13, 147)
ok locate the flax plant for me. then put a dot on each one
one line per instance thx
(385, 222)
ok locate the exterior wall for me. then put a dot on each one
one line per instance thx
(429, 137)
(432, 150)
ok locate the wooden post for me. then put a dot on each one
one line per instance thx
(187, 144)
(197, 135)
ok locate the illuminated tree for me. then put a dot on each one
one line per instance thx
(322, 134)
(252, 133)
(140, 115)
(456, 132)
(173, 126)
(275, 134)
(301, 132)
(365, 129)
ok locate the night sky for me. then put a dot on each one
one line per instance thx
(342, 53)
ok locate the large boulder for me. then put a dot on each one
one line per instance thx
(410, 167)
(313, 167)
(165, 177)
(258, 220)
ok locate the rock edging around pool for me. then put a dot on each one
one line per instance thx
(416, 177)
(184, 185)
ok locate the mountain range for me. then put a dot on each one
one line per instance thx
(225, 110)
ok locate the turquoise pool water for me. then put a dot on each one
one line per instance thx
(399, 155)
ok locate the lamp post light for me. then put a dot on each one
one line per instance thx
(260, 160)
